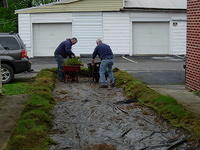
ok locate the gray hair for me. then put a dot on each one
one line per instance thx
(99, 41)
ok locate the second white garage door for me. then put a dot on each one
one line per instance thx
(151, 38)
(46, 37)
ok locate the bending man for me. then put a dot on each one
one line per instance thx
(106, 55)
(63, 51)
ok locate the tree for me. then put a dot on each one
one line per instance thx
(8, 18)
(4, 3)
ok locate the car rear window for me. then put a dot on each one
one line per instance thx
(9, 43)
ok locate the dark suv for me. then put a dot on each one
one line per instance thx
(13, 56)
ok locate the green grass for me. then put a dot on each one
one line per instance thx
(165, 106)
(197, 93)
(16, 88)
(31, 131)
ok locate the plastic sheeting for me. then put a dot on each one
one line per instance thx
(86, 115)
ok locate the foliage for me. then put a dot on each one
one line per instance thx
(72, 61)
(166, 106)
(31, 132)
(8, 18)
(16, 88)
(85, 72)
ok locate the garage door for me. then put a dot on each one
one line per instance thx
(151, 38)
(46, 37)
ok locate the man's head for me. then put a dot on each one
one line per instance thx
(99, 41)
(74, 40)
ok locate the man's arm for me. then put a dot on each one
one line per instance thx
(94, 55)
(68, 50)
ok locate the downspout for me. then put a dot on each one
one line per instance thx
(0, 79)
(124, 3)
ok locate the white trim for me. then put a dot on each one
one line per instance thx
(31, 30)
(170, 37)
(150, 19)
(131, 38)
(179, 18)
(51, 18)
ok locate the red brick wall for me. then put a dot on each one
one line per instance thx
(193, 45)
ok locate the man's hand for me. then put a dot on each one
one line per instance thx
(73, 55)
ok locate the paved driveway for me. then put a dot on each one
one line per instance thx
(150, 70)
(153, 70)
(157, 70)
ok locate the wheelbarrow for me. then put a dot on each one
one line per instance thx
(71, 73)
(94, 71)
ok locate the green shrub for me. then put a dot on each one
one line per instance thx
(72, 61)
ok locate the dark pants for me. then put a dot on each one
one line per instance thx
(60, 61)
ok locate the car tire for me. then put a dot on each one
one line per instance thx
(7, 73)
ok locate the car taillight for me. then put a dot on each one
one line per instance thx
(23, 54)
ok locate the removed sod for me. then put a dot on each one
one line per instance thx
(31, 132)
(165, 106)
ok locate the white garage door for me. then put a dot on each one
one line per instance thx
(46, 37)
(151, 38)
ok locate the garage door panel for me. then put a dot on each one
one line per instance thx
(150, 38)
(46, 37)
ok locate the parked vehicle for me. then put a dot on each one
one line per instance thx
(13, 56)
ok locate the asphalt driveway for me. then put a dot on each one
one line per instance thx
(157, 70)
(165, 70)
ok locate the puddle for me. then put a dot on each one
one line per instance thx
(90, 118)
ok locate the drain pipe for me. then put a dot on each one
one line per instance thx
(129, 60)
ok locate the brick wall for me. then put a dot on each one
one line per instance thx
(193, 45)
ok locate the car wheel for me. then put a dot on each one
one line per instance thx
(7, 73)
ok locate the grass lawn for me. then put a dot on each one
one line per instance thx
(197, 93)
(15, 88)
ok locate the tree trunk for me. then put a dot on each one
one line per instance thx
(5, 4)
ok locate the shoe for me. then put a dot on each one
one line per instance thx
(103, 86)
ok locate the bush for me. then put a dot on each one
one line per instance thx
(72, 61)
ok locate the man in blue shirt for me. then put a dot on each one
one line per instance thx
(106, 55)
(63, 51)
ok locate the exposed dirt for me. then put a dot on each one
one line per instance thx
(90, 118)
(10, 110)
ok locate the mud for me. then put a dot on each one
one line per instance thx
(90, 118)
